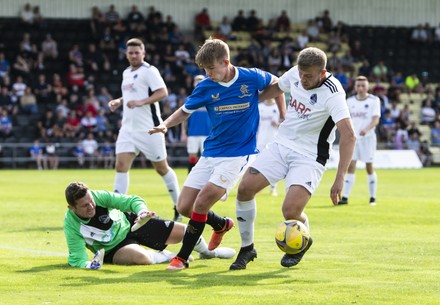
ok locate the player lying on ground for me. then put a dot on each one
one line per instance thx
(116, 226)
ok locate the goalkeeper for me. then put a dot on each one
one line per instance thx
(114, 226)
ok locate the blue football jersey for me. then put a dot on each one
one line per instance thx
(233, 110)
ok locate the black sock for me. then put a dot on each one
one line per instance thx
(215, 221)
(192, 234)
(247, 248)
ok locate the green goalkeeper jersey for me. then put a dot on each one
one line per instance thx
(105, 230)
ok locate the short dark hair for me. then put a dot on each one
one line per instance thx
(75, 191)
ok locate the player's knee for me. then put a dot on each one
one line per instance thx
(290, 212)
(142, 259)
(183, 209)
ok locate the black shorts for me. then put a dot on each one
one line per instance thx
(153, 234)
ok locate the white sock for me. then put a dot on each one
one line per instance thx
(246, 213)
(121, 183)
(348, 184)
(160, 257)
(201, 246)
(172, 184)
(372, 184)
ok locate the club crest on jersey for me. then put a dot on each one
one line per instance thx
(296, 84)
(313, 99)
(366, 106)
(215, 97)
(135, 76)
(104, 219)
(244, 91)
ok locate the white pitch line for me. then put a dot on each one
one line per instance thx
(48, 253)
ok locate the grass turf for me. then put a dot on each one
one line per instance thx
(387, 254)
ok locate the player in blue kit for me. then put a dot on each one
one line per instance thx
(230, 95)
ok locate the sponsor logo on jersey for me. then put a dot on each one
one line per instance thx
(215, 97)
(313, 99)
(244, 91)
(233, 107)
(104, 219)
(302, 110)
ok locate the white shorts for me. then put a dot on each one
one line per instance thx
(195, 144)
(224, 172)
(278, 162)
(365, 149)
(152, 146)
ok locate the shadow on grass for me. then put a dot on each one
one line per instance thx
(39, 229)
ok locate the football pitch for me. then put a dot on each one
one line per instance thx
(384, 254)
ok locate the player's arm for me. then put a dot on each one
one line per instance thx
(157, 95)
(175, 119)
(280, 100)
(347, 141)
(115, 104)
(374, 122)
(272, 91)
(77, 247)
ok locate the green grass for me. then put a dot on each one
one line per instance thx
(386, 254)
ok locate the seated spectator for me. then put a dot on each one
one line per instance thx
(53, 159)
(343, 77)
(49, 47)
(90, 146)
(400, 137)
(325, 21)
(252, 21)
(380, 72)
(358, 51)
(435, 133)
(135, 20)
(239, 22)
(419, 34)
(43, 90)
(282, 23)
(21, 67)
(412, 83)
(78, 152)
(18, 87)
(45, 124)
(395, 110)
(73, 125)
(6, 101)
(76, 56)
(27, 15)
(28, 102)
(397, 80)
(334, 42)
(202, 22)
(107, 41)
(428, 113)
(225, 28)
(93, 59)
(107, 155)
(58, 85)
(420, 148)
(111, 16)
(387, 126)
(75, 76)
(5, 66)
(312, 30)
(88, 122)
(36, 153)
(437, 33)
(104, 97)
(38, 17)
(302, 40)
(60, 122)
(97, 21)
(5, 124)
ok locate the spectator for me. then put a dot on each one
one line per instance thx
(21, 67)
(135, 20)
(239, 22)
(312, 30)
(428, 113)
(326, 23)
(58, 86)
(60, 122)
(107, 155)
(5, 66)
(225, 28)
(36, 153)
(388, 126)
(413, 129)
(45, 124)
(412, 83)
(6, 101)
(334, 42)
(5, 124)
(97, 21)
(252, 21)
(202, 22)
(90, 146)
(358, 51)
(302, 40)
(435, 133)
(19, 87)
(104, 97)
(28, 102)
(75, 76)
(76, 56)
(421, 150)
(27, 15)
(49, 47)
(282, 23)
(400, 137)
(419, 34)
(88, 122)
(437, 33)
(78, 152)
(107, 42)
(111, 16)
(380, 72)
(53, 159)
(37, 16)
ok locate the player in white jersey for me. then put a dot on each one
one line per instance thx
(230, 95)
(267, 129)
(141, 112)
(365, 113)
(301, 149)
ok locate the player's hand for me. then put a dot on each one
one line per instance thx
(114, 104)
(160, 128)
(336, 190)
(97, 261)
(143, 217)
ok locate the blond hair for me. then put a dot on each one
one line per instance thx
(135, 42)
(211, 51)
(312, 57)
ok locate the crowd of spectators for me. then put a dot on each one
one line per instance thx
(70, 103)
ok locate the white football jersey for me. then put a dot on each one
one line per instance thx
(362, 112)
(136, 85)
(266, 131)
(309, 128)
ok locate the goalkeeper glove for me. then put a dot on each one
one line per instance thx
(143, 217)
(97, 261)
